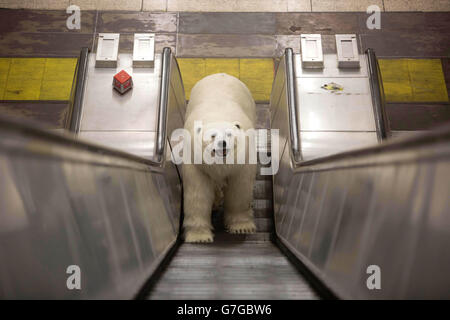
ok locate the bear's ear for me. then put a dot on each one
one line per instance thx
(237, 125)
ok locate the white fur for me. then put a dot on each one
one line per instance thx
(219, 101)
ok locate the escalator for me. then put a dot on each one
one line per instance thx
(321, 222)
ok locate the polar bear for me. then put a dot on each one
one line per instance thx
(226, 110)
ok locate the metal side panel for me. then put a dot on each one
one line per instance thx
(347, 109)
(126, 122)
(140, 143)
(387, 208)
(65, 203)
(322, 144)
(105, 109)
(331, 68)
(335, 109)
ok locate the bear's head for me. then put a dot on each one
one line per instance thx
(222, 142)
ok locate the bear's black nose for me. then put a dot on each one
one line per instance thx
(222, 144)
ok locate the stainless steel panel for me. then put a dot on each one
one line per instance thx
(387, 208)
(139, 143)
(342, 264)
(285, 214)
(382, 227)
(66, 203)
(329, 222)
(281, 181)
(169, 189)
(144, 50)
(299, 207)
(321, 144)
(174, 113)
(279, 121)
(176, 83)
(431, 244)
(104, 109)
(331, 68)
(277, 87)
(347, 51)
(107, 50)
(325, 110)
(312, 54)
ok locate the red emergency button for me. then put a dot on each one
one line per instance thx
(122, 82)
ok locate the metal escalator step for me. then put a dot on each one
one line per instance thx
(262, 189)
(262, 208)
(231, 270)
(264, 224)
(254, 237)
(260, 177)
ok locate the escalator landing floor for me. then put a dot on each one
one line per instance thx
(231, 270)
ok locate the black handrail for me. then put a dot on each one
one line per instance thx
(378, 98)
(77, 94)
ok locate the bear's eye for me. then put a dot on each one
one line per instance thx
(237, 125)
(213, 135)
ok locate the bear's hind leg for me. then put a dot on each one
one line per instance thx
(198, 200)
(238, 216)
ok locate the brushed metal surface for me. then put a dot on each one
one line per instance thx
(331, 68)
(64, 203)
(231, 270)
(388, 208)
(105, 109)
(385, 207)
(324, 110)
(322, 144)
(139, 143)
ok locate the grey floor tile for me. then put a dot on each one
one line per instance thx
(227, 23)
(323, 23)
(418, 45)
(417, 117)
(127, 22)
(44, 44)
(225, 45)
(49, 21)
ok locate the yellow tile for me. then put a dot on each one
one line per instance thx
(257, 74)
(427, 80)
(260, 88)
(192, 70)
(396, 81)
(55, 90)
(413, 80)
(4, 71)
(228, 66)
(60, 69)
(25, 79)
(58, 79)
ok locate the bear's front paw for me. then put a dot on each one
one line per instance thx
(198, 236)
(242, 227)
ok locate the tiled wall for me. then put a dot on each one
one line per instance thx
(234, 5)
